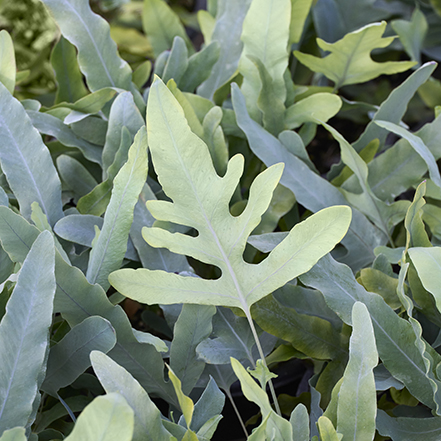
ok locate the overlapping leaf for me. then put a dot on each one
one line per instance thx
(349, 61)
(26, 161)
(24, 335)
(200, 200)
(97, 53)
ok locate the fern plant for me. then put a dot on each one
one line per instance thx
(173, 234)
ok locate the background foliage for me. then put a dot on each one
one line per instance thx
(205, 205)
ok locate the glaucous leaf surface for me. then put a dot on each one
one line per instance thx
(311, 190)
(227, 32)
(357, 398)
(76, 299)
(115, 379)
(200, 200)
(69, 358)
(107, 418)
(24, 335)
(349, 60)
(90, 34)
(26, 161)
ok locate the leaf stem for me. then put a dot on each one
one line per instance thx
(262, 356)
(242, 424)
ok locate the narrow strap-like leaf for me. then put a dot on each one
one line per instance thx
(97, 53)
(26, 161)
(24, 334)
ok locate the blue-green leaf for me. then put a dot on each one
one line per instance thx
(114, 378)
(69, 358)
(24, 335)
(312, 191)
(227, 32)
(97, 53)
(26, 161)
(50, 125)
(192, 326)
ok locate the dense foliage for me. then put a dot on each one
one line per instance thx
(202, 209)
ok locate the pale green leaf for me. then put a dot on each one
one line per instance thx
(427, 262)
(114, 378)
(268, 101)
(320, 106)
(16, 434)
(7, 61)
(200, 200)
(227, 32)
(416, 235)
(108, 252)
(207, 23)
(299, 13)
(299, 420)
(214, 137)
(412, 33)
(209, 428)
(312, 191)
(185, 403)
(67, 73)
(91, 103)
(192, 326)
(327, 430)
(26, 161)
(106, 418)
(419, 146)
(76, 299)
(349, 61)
(265, 37)
(69, 358)
(90, 33)
(50, 125)
(24, 335)
(357, 399)
(162, 25)
(142, 73)
(252, 391)
(386, 286)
